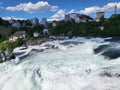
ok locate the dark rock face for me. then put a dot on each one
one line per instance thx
(110, 74)
(10, 56)
(1, 60)
(110, 71)
(100, 49)
(71, 42)
(49, 46)
(111, 54)
(109, 51)
(113, 39)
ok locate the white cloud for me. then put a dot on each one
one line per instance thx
(58, 16)
(9, 18)
(90, 10)
(72, 11)
(31, 8)
(106, 8)
(111, 7)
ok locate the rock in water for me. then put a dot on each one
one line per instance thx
(71, 42)
(1, 60)
(100, 49)
(10, 56)
(111, 54)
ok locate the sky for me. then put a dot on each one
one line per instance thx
(55, 9)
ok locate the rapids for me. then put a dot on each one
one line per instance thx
(72, 66)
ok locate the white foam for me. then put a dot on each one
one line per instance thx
(75, 68)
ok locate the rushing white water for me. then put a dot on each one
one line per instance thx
(70, 67)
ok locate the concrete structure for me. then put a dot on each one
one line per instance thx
(67, 17)
(35, 21)
(115, 9)
(99, 15)
(17, 35)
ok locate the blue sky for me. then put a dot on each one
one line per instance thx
(55, 9)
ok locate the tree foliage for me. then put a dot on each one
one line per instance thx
(4, 22)
(8, 44)
(88, 28)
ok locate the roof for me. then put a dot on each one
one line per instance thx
(100, 12)
(19, 33)
(77, 14)
(83, 16)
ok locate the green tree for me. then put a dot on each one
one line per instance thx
(70, 35)
(1, 21)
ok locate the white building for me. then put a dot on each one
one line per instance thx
(17, 35)
(77, 17)
(72, 16)
(46, 31)
(35, 21)
(101, 27)
(36, 34)
(16, 24)
(54, 23)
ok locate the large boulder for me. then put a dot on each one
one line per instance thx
(113, 39)
(1, 60)
(110, 51)
(9, 54)
(100, 49)
(111, 54)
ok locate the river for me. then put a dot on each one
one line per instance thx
(73, 65)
